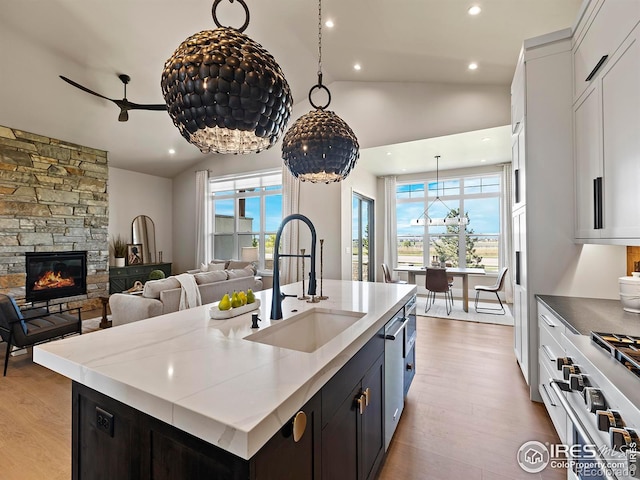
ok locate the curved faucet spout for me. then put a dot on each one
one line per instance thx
(277, 296)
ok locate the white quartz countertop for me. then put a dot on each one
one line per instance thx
(201, 376)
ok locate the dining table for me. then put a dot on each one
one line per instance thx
(463, 272)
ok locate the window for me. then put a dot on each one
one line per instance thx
(473, 245)
(247, 212)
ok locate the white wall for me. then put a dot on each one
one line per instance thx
(385, 113)
(132, 194)
(379, 114)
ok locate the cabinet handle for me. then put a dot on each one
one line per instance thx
(517, 268)
(367, 392)
(599, 202)
(547, 352)
(596, 68)
(595, 203)
(547, 321)
(299, 425)
(544, 387)
(516, 174)
(361, 403)
(393, 336)
(515, 127)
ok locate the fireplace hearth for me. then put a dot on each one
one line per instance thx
(52, 275)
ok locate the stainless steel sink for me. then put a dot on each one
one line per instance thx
(308, 330)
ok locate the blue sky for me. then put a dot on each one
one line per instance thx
(484, 213)
(273, 206)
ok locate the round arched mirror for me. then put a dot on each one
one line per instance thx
(143, 233)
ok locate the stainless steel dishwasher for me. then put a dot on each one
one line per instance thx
(394, 334)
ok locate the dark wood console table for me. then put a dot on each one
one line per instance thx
(123, 278)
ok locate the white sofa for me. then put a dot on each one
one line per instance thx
(163, 296)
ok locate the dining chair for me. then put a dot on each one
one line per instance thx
(387, 275)
(437, 282)
(495, 288)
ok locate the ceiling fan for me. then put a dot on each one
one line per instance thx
(124, 104)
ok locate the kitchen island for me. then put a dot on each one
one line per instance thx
(202, 377)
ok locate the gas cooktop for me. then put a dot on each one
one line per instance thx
(624, 348)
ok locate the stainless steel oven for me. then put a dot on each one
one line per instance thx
(602, 401)
(394, 334)
(409, 351)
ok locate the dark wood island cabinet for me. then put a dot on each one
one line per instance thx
(343, 438)
(186, 396)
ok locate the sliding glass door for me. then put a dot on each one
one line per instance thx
(362, 261)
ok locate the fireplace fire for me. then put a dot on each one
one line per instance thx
(53, 275)
(51, 279)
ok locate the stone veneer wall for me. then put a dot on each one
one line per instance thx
(53, 197)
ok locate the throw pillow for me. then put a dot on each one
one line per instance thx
(210, 277)
(234, 265)
(211, 267)
(240, 272)
(153, 288)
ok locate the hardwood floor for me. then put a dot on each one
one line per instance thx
(468, 409)
(466, 415)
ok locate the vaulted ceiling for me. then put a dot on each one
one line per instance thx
(92, 41)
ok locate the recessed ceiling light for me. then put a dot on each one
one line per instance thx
(473, 66)
(171, 151)
(388, 153)
(404, 169)
(486, 139)
(483, 160)
(475, 10)
(357, 66)
(329, 24)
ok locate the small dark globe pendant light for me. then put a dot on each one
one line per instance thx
(225, 92)
(320, 147)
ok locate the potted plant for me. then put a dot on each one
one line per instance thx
(119, 248)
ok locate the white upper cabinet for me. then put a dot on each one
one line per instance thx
(607, 124)
(605, 27)
(588, 164)
(518, 170)
(518, 103)
(621, 142)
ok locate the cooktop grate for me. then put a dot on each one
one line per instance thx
(624, 348)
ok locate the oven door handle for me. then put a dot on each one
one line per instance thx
(397, 333)
(577, 424)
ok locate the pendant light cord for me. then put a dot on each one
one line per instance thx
(319, 42)
(319, 85)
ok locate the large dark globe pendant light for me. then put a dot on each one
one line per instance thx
(320, 147)
(225, 92)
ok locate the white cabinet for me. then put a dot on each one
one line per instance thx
(551, 330)
(518, 166)
(588, 164)
(543, 213)
(605, 26)
(607, 150)
(520, 301)
(621, 141)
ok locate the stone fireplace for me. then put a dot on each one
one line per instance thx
(53, 198)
